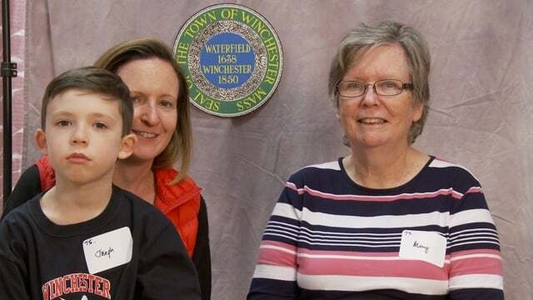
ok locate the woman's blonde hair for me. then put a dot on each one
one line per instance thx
(180, 144)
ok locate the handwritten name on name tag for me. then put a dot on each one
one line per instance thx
(108, 250)
(422, 245)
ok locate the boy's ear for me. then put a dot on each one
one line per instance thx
(126, 149)
(40, 140)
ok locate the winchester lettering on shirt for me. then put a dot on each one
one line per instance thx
(76, 283)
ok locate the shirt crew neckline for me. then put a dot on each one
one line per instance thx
(77, 229)
(384, 191)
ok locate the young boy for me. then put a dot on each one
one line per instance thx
(86, 238)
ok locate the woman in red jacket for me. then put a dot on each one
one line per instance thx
(163, 129)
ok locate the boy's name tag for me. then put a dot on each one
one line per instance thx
(423, 245)
(108, 250)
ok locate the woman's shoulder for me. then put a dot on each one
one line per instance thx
(447, 166)
(171, 194)
(330, 165)
(138, 206)
(456, 175)
(317, 171)
(27, 187)
(165, 177)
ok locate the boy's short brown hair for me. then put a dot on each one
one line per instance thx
(93, 80)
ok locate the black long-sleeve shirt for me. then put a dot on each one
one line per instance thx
(42, 260)
(29, 185)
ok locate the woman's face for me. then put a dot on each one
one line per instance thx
(153, 87)
(372, 120)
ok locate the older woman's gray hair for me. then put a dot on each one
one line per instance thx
(363, 38)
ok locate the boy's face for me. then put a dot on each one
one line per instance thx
(83, 136)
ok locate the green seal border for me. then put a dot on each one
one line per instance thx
(268, 67)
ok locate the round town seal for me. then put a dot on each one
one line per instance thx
(232, 59)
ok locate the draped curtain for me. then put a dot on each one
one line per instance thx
(481, 113)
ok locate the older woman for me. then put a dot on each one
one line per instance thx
(162, 125)
(386, 221)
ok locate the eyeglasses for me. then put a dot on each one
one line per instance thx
(386, 87)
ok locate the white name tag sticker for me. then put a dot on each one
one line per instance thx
(422, 245)
(108, 250)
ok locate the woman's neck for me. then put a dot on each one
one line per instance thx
(137, 178)
(381, 169)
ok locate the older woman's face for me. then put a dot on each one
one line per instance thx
(153, 87)
(372, 120)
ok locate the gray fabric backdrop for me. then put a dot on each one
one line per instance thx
(481, 114)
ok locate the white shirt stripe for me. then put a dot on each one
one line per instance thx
(362, 283)
(465, 217)
(275, 272)
(476, 281)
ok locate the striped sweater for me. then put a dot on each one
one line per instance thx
(329, 238)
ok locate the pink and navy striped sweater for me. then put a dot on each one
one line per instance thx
(329, 238)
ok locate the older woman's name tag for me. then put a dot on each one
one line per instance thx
(423, 245)
(108, 250)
